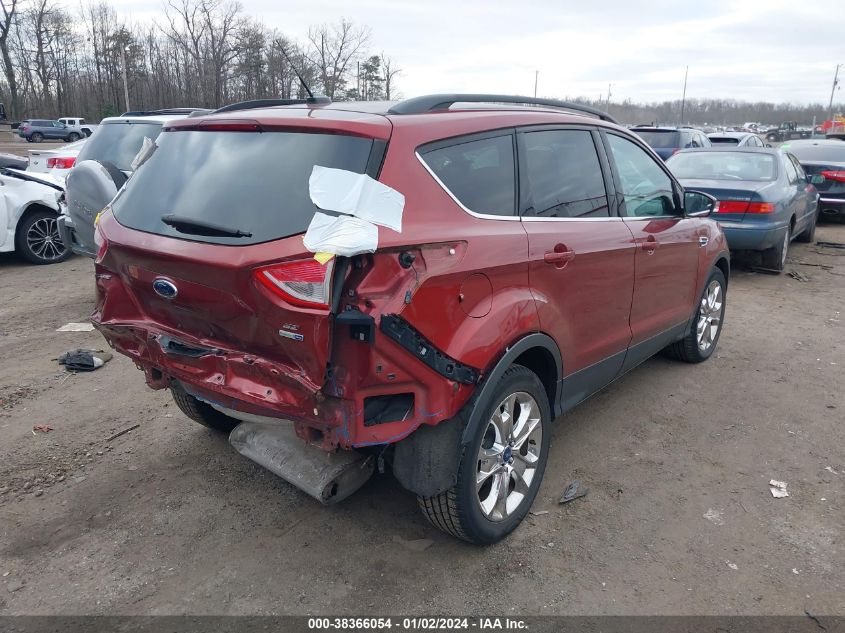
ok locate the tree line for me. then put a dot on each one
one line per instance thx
(720, 112)
(207, 53)
(202, 53)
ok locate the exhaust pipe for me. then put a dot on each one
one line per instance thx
(328, 477)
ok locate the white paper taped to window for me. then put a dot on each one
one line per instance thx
(148, 148)
(356, 194)
(342, 235)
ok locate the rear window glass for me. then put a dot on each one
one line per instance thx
(480, 174)
(118, 142)
(563, 175)
(724, 140)
(254, 182)
(661, 139)
(831, 153)
(737, 165)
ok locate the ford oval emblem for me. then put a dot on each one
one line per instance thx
(164, 288)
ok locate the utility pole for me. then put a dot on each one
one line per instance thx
(684, 98)
(125, 82)
(609, 86)
(536, 76)
(832, 90)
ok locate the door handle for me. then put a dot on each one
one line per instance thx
(649, 244)
(560, 257)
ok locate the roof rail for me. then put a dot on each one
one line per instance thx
(269, 103)
(419, 105)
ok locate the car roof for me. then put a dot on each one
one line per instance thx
(377, 119)
(733, 148)
(823, 142)
(154, 118)
(731, 134)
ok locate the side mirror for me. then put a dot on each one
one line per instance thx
(816, 179)
(698, 204)
(768, 144)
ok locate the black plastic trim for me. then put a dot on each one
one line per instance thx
(396, 328)
(428, 103)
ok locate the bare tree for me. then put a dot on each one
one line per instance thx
(10, 15)
(390, 70)
(333, 49)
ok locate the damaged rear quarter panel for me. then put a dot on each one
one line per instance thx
(449, 247)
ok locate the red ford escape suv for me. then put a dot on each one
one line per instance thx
(544, 251)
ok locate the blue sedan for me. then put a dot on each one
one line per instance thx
(765, 198)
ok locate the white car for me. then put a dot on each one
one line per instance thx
(79, 125)
(55, 162)
(30, 207)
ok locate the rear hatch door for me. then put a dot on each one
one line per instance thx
(247, 283)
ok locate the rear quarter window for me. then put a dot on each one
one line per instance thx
(479, 173)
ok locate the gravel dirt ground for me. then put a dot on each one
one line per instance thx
(168, 519)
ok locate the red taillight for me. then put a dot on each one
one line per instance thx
(760, 207)
(732, 206)
(835, 175)
(745, 206)
(60, 163)
(304, 282)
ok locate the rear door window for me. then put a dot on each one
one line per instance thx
(479, 173)
(562, 175)
(252, 182)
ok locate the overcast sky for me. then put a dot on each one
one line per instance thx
(767, 50)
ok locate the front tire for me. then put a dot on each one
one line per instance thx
(38, 240)
(201, 412)
(700, 341)
(501, 467)
(73, 137)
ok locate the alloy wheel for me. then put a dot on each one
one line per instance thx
(509, 455)
(44, 241)
(710, 315)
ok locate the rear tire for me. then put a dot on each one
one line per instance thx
(690, 349)
(775, 258)
(512, 463)
(36, 137)
(201, 412)
(809, 234)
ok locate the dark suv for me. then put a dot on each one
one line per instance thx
(36, 130)
(544, 251)
(668, 141)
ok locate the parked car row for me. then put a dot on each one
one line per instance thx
(38, 130)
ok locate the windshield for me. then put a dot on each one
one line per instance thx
(820, 153)
(723, 166)
(661, 139)
(118, 142)
(253, 182)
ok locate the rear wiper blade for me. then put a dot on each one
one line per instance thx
(197, 227)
